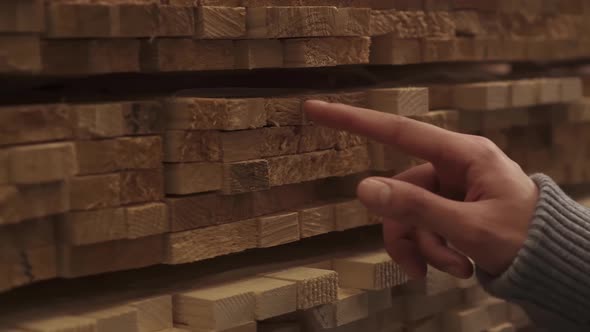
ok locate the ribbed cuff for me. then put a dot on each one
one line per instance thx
(552, 270)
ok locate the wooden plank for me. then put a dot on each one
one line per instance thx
(183, 54)
(201, 210)
(58, 323)
(350, 214)
(215, 308)
(192, 146)
(438, 50)
(89, 227)
(97, 156)
(176, 20)
(142, 186)
(401, 101)
(412, 24)
(473, 319)
(259, 143)
(146, 220)
(258, 53)
(220, 22)
(291, 22)
(104, 120)
(121, 318)
(211, 113)
(316, 165)
(481, 96)
(189, 178)
(351, 306)
(273, 297)
(300, 167)
(571, 89)
(23, 16)
(505, 327)
(29, 202)
(35, 123)
(371, 270)
(20, 54)
(73, 57)
(549, 91)
(323, 52)
(213, 241)
(444, 119)
(41, 163)
(523, 93)
(245, 176)
(95, 192)
(380, 300)
(314, 286)
(135, 19)
(110, 256)
(353, 22)
(278, 229)
(143, 152)
(154, 314)
(316, 220)
(79, 20)
(497, 310)
(388, 50)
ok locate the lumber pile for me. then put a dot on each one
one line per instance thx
(202, 200)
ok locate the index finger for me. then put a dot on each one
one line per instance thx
(413, 137)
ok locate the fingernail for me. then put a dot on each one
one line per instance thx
(317, 102)
(374, 192)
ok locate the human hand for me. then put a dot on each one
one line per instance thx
(469, 194)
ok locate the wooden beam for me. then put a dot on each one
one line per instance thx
(141, 186)
(120, 318)
(351, 306)
(143, 152)
(370, 271)
(259, 143)
(245, 176)
(110, 256)
(259, 53)
(323, 52)
(35, 123)
(75, 57)
(184, 54)
(201, 210)
(146, 220)
(97, 156)
(401, 101)
(210, 113)
(22, 16)
(192, 146)
(154, 314)
(314, 287)
(460, 320)
(273, 297)
(482, 96)
(388, 50)
(209, 242)
(29, 202)
(79, 20)
(42, 163)
(523, 93)
(278, 229)
(89, 227)
(58, 323)
(317, 220)
(291, 22)
(220, 22)
(215, 308)
(95, 191)
(189, 178)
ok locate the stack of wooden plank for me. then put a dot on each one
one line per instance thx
(81, 37)
(103, 185)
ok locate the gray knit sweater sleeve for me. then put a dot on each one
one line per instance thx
(552, 270)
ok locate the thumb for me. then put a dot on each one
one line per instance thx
(408, 203)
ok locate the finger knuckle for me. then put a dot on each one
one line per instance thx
(485, 149)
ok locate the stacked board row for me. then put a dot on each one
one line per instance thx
(358, 291)
(93, 188)
(85, 37)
